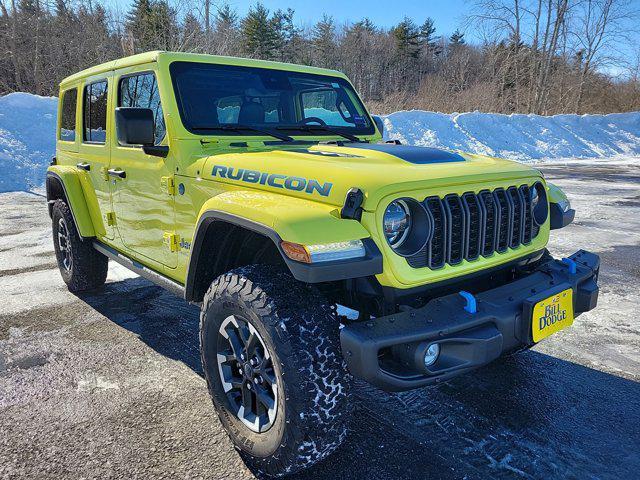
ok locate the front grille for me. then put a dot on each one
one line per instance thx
(476, 224)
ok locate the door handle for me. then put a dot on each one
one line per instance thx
(83, 166)
(117, 173)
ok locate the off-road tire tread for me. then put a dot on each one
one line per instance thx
(90, 267)
(307, 339)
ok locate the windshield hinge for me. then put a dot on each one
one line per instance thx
(353, 204)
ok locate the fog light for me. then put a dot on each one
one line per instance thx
(431, 355)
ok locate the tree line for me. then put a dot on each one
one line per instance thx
(527, 56)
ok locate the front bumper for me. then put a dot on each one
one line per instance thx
(387, 351)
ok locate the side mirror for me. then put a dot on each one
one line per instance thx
(379, 123)
(135, 126)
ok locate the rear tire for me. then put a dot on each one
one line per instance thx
(300, 336)
(82, 267)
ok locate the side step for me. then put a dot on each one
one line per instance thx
(158, 279)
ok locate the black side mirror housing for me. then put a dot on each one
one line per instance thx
(379, 123)
(135, 126)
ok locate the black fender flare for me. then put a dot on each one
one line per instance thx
(370, 264)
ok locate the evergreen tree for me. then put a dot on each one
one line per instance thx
(139, 24)
(408, 38)
(457, 38)
(288, 39)
(323, 38)
(192, 33)
(152, 25)
(225, 31)
(365, 26)
(261, 40)
(226, 19)
(428, 40)
(164, 26)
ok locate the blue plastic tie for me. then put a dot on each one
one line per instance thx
(471, 306)
(571, 265)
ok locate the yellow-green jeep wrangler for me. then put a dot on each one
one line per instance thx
(263, 192)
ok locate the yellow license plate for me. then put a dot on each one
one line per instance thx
(552, 315)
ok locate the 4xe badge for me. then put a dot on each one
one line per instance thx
(276, 180)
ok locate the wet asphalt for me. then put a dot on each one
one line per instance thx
(109, 385)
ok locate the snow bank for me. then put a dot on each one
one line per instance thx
(27, 136)
(520, 137)
(27, 140)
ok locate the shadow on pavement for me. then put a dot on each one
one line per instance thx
(528, 416)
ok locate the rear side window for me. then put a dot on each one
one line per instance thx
(95, 112)
(141, 91)
(68, 116)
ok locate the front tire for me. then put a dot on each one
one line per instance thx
(82, 267)
(288, 338)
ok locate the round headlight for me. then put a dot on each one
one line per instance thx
(407, 226)
(397, 222)
(539, 204)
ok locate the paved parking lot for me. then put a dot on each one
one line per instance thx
(109, 385)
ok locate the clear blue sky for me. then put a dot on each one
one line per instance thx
(447, 14)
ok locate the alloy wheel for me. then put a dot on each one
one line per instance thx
(247, 373)
(64, 245)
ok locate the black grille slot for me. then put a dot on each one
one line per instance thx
(488, 203)
(525, 191)
(437, 245)
(504, 220)
(474, 224)
(456, 229)
(517, 205)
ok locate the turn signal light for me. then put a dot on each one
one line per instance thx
(296, 252)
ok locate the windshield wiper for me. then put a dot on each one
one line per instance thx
(249, 128)
(320, 128)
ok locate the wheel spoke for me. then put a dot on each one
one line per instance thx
(264, 398)
(269, 376)
(236, 383)
(236, 345)
(247, 399)
(251, 343)
(227, 356)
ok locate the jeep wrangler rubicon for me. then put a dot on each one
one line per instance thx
(263, 193)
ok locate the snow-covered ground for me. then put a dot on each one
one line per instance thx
(27, 136)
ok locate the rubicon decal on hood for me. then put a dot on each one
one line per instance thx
(276, 180)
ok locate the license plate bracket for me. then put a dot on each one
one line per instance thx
(548, 312)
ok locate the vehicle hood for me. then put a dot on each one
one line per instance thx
(325, 172)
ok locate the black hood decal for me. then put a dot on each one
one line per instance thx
(417, 155)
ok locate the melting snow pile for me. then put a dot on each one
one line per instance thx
(520, 137)
(27, 139)
(27, 136)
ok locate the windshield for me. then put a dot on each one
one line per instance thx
(251, 101)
